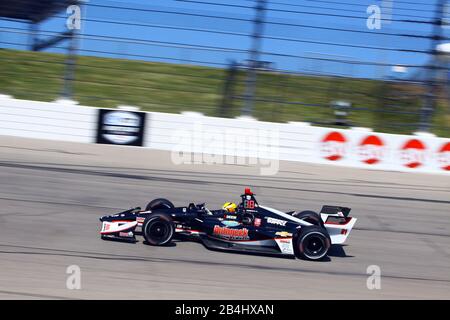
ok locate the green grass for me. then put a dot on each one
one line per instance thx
(164, 87)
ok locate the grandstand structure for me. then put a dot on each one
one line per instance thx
(30, 10)
(34, 13)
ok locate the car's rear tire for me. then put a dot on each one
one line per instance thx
(159, 203)
(309, 216)
(158, 229)
(312, 243)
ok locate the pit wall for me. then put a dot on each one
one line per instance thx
(243, 137)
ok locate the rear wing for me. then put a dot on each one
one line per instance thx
(331, 210)
(337, 222)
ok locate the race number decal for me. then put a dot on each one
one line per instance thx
(249, 204)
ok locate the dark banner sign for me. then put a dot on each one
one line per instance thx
(121, 127)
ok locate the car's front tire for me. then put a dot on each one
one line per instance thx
(158, 229)
(312, 243)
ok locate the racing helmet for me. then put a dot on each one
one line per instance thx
(229, 207)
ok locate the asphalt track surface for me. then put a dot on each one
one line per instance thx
(52, 193)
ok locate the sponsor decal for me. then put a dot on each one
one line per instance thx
(276, 221)
(117, 226)
(231, 217)
(230, 223)
(283, 234)
(413, 153)
(444, 156)
(333, 146)
(371, 149)
(126, 234)
(235, 234)
(285, 245)
(257, 222)
(120, 127)
(140, 219)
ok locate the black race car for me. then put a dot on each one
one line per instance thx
(250, 228)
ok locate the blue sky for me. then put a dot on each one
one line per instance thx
(177, 54)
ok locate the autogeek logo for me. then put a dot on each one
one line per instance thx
(231, 233)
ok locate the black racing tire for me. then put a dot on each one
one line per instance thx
(158, 229)
(309, 216)
(312, 243)
(159, 203)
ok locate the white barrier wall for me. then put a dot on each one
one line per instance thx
(61, 120)
(191, 132)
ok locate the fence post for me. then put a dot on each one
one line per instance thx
(228, 90)
(429, 102)
(254, 57)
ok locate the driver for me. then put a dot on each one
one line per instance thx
(229, 207)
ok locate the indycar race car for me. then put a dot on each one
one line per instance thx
(248, 227)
